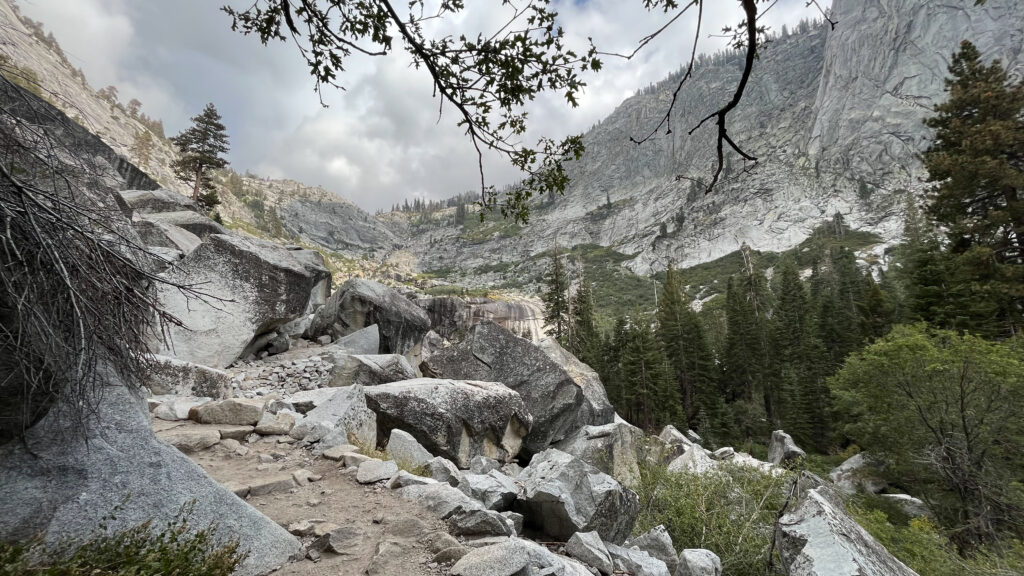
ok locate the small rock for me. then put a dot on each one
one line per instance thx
(403, 479)
(483, 464)
(444, 470)
(588, 548)
(698, 562)
(271, 484)
(723, 453)
(374, 470)
(300, 528)
(304, 477)
(354, 460)
(324, 340)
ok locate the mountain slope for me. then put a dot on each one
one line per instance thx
(834, 116)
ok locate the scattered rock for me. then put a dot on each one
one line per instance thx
(477, 523)
(483, 464)
(698, 562)
(494, 490)
(614, 449)
(443, 470)
(324, 340)
(344, 541)
(454, 419)
(374, 470)
(304, 477)
(237, 411)
(276, 424)
(858, 473)
(405, 450)
(347, 408)
(694, 460)
(636, 562)
(439, 499)
(563, 495)
(403, 479)
(658, 544)
(588, 548)
(175, 408)
(271, 484)
(190, 440)
(450, 555)
(516, 557)
(723, 453)
(369, 369)
(338, 452)
(782, 449)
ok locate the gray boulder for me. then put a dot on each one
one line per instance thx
(698, 562)
(558, 403)
(405, 450)
(516, 557)
(444, 470)
(359, 303)
(563, 495)
(439, 499)
(483, 464)
(195, 223)
(636, 562)
(615, 449)
(174, 408)
(658, 544)
(370, 369)
(279, 424)
(363, 341)
(237, 411)
(818, 538)
(695, 460)
(913, 507)
(252, 287)
(173, 376)
(595, 399)
(346, 409)
(457, 420)
(859, 473)
(782, 449)
(588, 548)
(374, 470)
(403, 479)
(154, 201)
(62, 483)
(494, 490)
(479, 524)
(166, 236)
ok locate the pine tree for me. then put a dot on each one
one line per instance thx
(585, 341)
(556, 299)
(682, 336)
(650, 396)
(201, 148)
(977, 164)
(142, 148)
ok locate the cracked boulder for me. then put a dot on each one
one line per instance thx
(454, 419)
(359, 303)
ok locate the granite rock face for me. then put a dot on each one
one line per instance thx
(251, 286)
(359, 303)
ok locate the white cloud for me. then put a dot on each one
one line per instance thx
(380, 141)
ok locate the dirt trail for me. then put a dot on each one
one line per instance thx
(386, 535)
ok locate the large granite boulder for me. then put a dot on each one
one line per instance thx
(155, 201)
(517, 557)
(595, 399)
(441, 499)
(698, 562)
(615, 449)
(859, 473)
(818, 538)
(348, 410)
(358, 303)
(195, 223)
(62, 482)
(636, 562)
(449, 315)
(559, 405)
(694, 461)
(162, 235)
(658, 544)
(782, 449)
(494, 489)
(454, 419)
(314, 261)
(180, 378)
(563, 495)
(369, 369)
(250, 287)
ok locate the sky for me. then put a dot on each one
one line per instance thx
(379, 141)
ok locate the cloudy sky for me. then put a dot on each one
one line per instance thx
(379, 141)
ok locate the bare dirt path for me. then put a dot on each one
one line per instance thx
(383, 534)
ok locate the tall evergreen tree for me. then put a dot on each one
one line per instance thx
(977, 164)
(585, 340)
(201, 148)
(682, 337)
(556, 299)
(650, 396)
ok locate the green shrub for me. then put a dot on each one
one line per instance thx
(178, 549)
(731, 513)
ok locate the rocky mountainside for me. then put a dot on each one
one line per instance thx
(834, 116)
